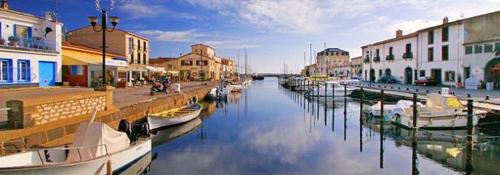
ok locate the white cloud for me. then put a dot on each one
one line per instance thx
(140, 9)
(173, 36)
(231, 44)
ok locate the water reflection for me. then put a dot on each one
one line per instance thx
(278, 135)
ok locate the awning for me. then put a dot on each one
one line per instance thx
(173, 72)
(155, 69)
(75, 60)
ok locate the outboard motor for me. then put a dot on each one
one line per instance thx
(124, 126)
(139, 130)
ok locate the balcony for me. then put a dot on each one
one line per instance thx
(389, 57)
(376, 59)
(366, 60)
(37, 44)
(408, 55)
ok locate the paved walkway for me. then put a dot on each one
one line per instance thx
(121, 97)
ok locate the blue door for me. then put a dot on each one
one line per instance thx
(47, 73)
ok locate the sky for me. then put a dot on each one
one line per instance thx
(273, 32)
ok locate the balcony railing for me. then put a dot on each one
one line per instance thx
(376, 59)
(408, 55)
(366, 60)
(29, 44)
(389, 57)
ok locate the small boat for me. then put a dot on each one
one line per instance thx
(235, 87)
(374, 110)
(212, 94)
(338, 89)
(440, 112)
(174, 116)
(97, 149)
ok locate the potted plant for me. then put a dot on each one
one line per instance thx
(13, 40)
(2, 41)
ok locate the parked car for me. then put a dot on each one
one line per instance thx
(425, 81)
(388, 79)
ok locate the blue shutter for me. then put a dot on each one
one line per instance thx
(15, 27)
(18, 70)
(29, 32)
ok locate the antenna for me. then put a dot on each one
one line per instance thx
(310, 53)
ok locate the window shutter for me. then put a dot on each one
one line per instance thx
(29, 32)
(15, 30)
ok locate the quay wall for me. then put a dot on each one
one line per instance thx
(60, 131)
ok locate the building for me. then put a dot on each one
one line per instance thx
(448, 53)
(134, 47)
(30, 49)
(454, 51)
(200, 64)
(82, 66)
(309, 70)
(170, 64)
(228, 68)
(333, 62)
(357, 67)
(393, 57)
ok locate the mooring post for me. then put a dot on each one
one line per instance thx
(326, 91)
(317, 87)
(382, 104)
(333, 95)
(470, 116)
(415, 110)
(345, 99)
(361, 103)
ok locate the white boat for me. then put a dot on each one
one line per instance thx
(212, 94)
(174, 116)
(338, 89)
(374, 110)
(235, 87)
(97, 149)
(440, 112)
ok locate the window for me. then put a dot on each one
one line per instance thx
(467, 72)
(390, 50)
(444, 53)
(422, 73)
(478, 49)
(497, 47)
(468, 50)
(5, 70)
(144, 60)
(139, 46)
(488, 48)
(380, 73)
(23, 70)
(408, 48)
(430, 37)
(22, 32)
(445, 34)
(132, 58)
(377, 52)
(76, 70)
(449, 76)
(131, 45)
(144, 46)
(138, 58)
(430, 54)
(204, 62)
(187, 63)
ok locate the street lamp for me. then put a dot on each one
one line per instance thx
(104, 28)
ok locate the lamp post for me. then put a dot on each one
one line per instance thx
(201, 66)
(104, 28)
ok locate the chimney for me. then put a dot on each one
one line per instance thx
(445, 20)
(5, 5)
(399, 33)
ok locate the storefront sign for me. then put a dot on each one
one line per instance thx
(117, 63)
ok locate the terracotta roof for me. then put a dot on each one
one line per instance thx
(161, 60)
(74, 46)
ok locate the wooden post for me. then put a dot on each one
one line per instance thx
(345, 99)
(415, 118)
(361, 103)
(382, 104)
(326, 90)
(470, 116)
(470, 129)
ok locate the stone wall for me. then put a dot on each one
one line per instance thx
(60, 132)
(39, 111)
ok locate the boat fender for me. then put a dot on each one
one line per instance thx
(109, 167)
(124, 126)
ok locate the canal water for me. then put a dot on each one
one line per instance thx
(270, 130)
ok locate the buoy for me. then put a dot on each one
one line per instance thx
(109, 168)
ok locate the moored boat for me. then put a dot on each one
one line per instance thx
(338, 89)
(439, 112)
(174, 116)
(97, 149)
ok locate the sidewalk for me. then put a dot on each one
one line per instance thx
(121, 97)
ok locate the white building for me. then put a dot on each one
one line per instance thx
(333, 62)
(448, 53)
(394, 57)
(30, 48)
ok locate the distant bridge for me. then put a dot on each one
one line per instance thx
(277, 75)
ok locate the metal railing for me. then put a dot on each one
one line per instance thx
(30, 44)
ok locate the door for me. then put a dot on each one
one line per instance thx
(47, 73)
(436, 76)
(408, 76)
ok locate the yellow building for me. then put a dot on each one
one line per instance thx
(200, 64)
(133, 46)
(228, 68)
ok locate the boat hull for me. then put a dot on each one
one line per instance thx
(159, 122)
(119, 161)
